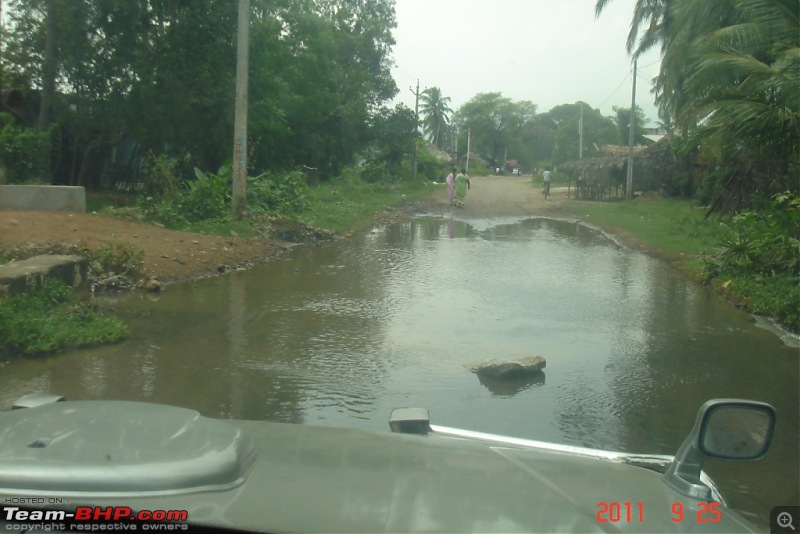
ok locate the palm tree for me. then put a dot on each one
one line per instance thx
(740, 87)
(653, 13)
(436, 114)
(730, 79)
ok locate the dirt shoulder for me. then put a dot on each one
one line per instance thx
(176, 256)
(169, 255)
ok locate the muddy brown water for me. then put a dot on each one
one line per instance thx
(340, 333)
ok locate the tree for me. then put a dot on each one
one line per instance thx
(160, 75)
(597, 131)
(436, 114)
(622, 118)
(394, 134)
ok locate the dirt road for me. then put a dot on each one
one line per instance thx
(498, 196)
(173, 256)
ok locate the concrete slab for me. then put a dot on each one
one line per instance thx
(43, 198)
(19, 276)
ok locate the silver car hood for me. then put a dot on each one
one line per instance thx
(260, 476)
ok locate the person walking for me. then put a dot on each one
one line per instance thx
(462, 185)
(451, 186)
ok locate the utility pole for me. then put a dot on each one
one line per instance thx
(238, 194)
(455, 144)
(416, 125)
(580, 134)
(469, 134)
(631, 126)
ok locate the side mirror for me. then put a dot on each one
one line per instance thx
(737, 431)
(727, 429)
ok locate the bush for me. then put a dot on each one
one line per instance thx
(52, 318)
(759, 260)
(764, 242)
(208, 197)
(280, 194)
(118, 258)
(429, 166)
(162, 180)
(22, 151)
(375, 171)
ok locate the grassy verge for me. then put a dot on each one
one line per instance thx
(350, 205)
(53, 318)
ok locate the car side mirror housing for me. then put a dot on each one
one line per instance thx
(725, 429)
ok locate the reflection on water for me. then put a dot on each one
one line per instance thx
(341, 333)
(511, 386)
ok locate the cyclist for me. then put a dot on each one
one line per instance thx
(548, 177)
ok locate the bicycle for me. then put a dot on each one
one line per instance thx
(546, 190)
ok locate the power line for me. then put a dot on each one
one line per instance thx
(614, 91)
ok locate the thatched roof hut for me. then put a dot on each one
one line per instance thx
(653, 166)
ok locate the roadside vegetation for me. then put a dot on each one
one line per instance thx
(52, 318)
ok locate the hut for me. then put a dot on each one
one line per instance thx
(598, 178)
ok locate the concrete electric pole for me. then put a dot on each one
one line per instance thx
(631, 126)
(239, 190)
(416, 126)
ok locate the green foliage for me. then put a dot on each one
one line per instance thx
(120, 258)
(52, 318)
(348, 203)
(21, 151)
(597, 131)
(498, 127)
(622, 118)
(162, 74)
(205, 202)
(775, 296)
(759, 260)
(763, 243)
(435, 111)
(162, 179)
(429, 167)
(375, 172)
(393, 135)
(208, 197)
(278, 193)
(729, 79)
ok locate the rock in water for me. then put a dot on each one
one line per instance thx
(509, 368)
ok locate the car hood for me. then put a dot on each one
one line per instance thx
(258, 476)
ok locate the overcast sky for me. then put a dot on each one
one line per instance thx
(549, 52)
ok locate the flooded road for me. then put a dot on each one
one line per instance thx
(340, 333)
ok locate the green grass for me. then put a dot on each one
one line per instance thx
(99, 200)
(674, 229)
(53, 318)
(350, 205)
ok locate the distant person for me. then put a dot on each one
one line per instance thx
(548, 177)
(462, 186)
(451, 186)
